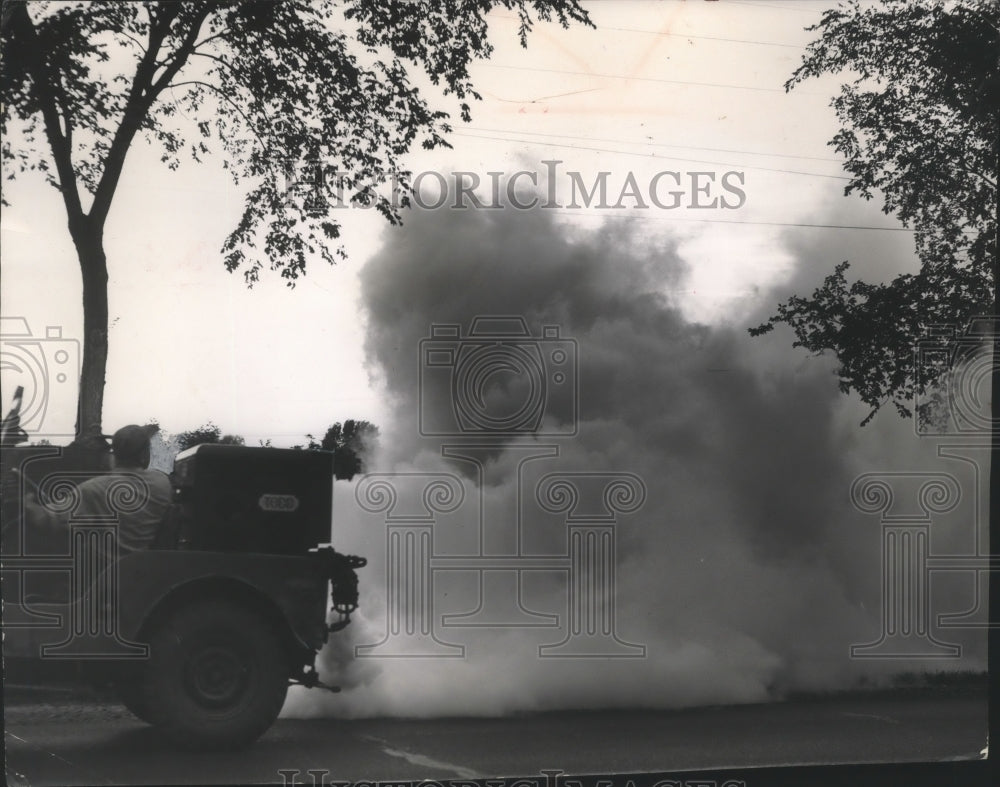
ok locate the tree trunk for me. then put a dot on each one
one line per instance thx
(89, 241)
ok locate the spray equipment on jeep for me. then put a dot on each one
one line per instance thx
(339, 570)
(268, 501)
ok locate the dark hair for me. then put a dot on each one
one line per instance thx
(131, 445)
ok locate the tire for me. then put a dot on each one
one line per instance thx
(217, 676)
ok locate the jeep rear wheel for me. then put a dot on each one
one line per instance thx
(217, 676)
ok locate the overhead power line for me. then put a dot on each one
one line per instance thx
(776, 7)
(651, 144)
(677, 35)
(647, 79)
(700, 38)
(638, 217)
(649, 155)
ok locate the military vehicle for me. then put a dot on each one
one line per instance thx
(201, 635)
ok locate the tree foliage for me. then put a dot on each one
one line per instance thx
(919, 128)
(265, 83)
(207, 433)
(280, 89)
(349, 443)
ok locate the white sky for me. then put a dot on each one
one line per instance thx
(653, 88)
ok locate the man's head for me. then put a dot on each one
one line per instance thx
(130, 445)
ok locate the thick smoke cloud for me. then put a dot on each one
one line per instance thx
(747, 573)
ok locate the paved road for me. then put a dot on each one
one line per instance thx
(76, 743)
